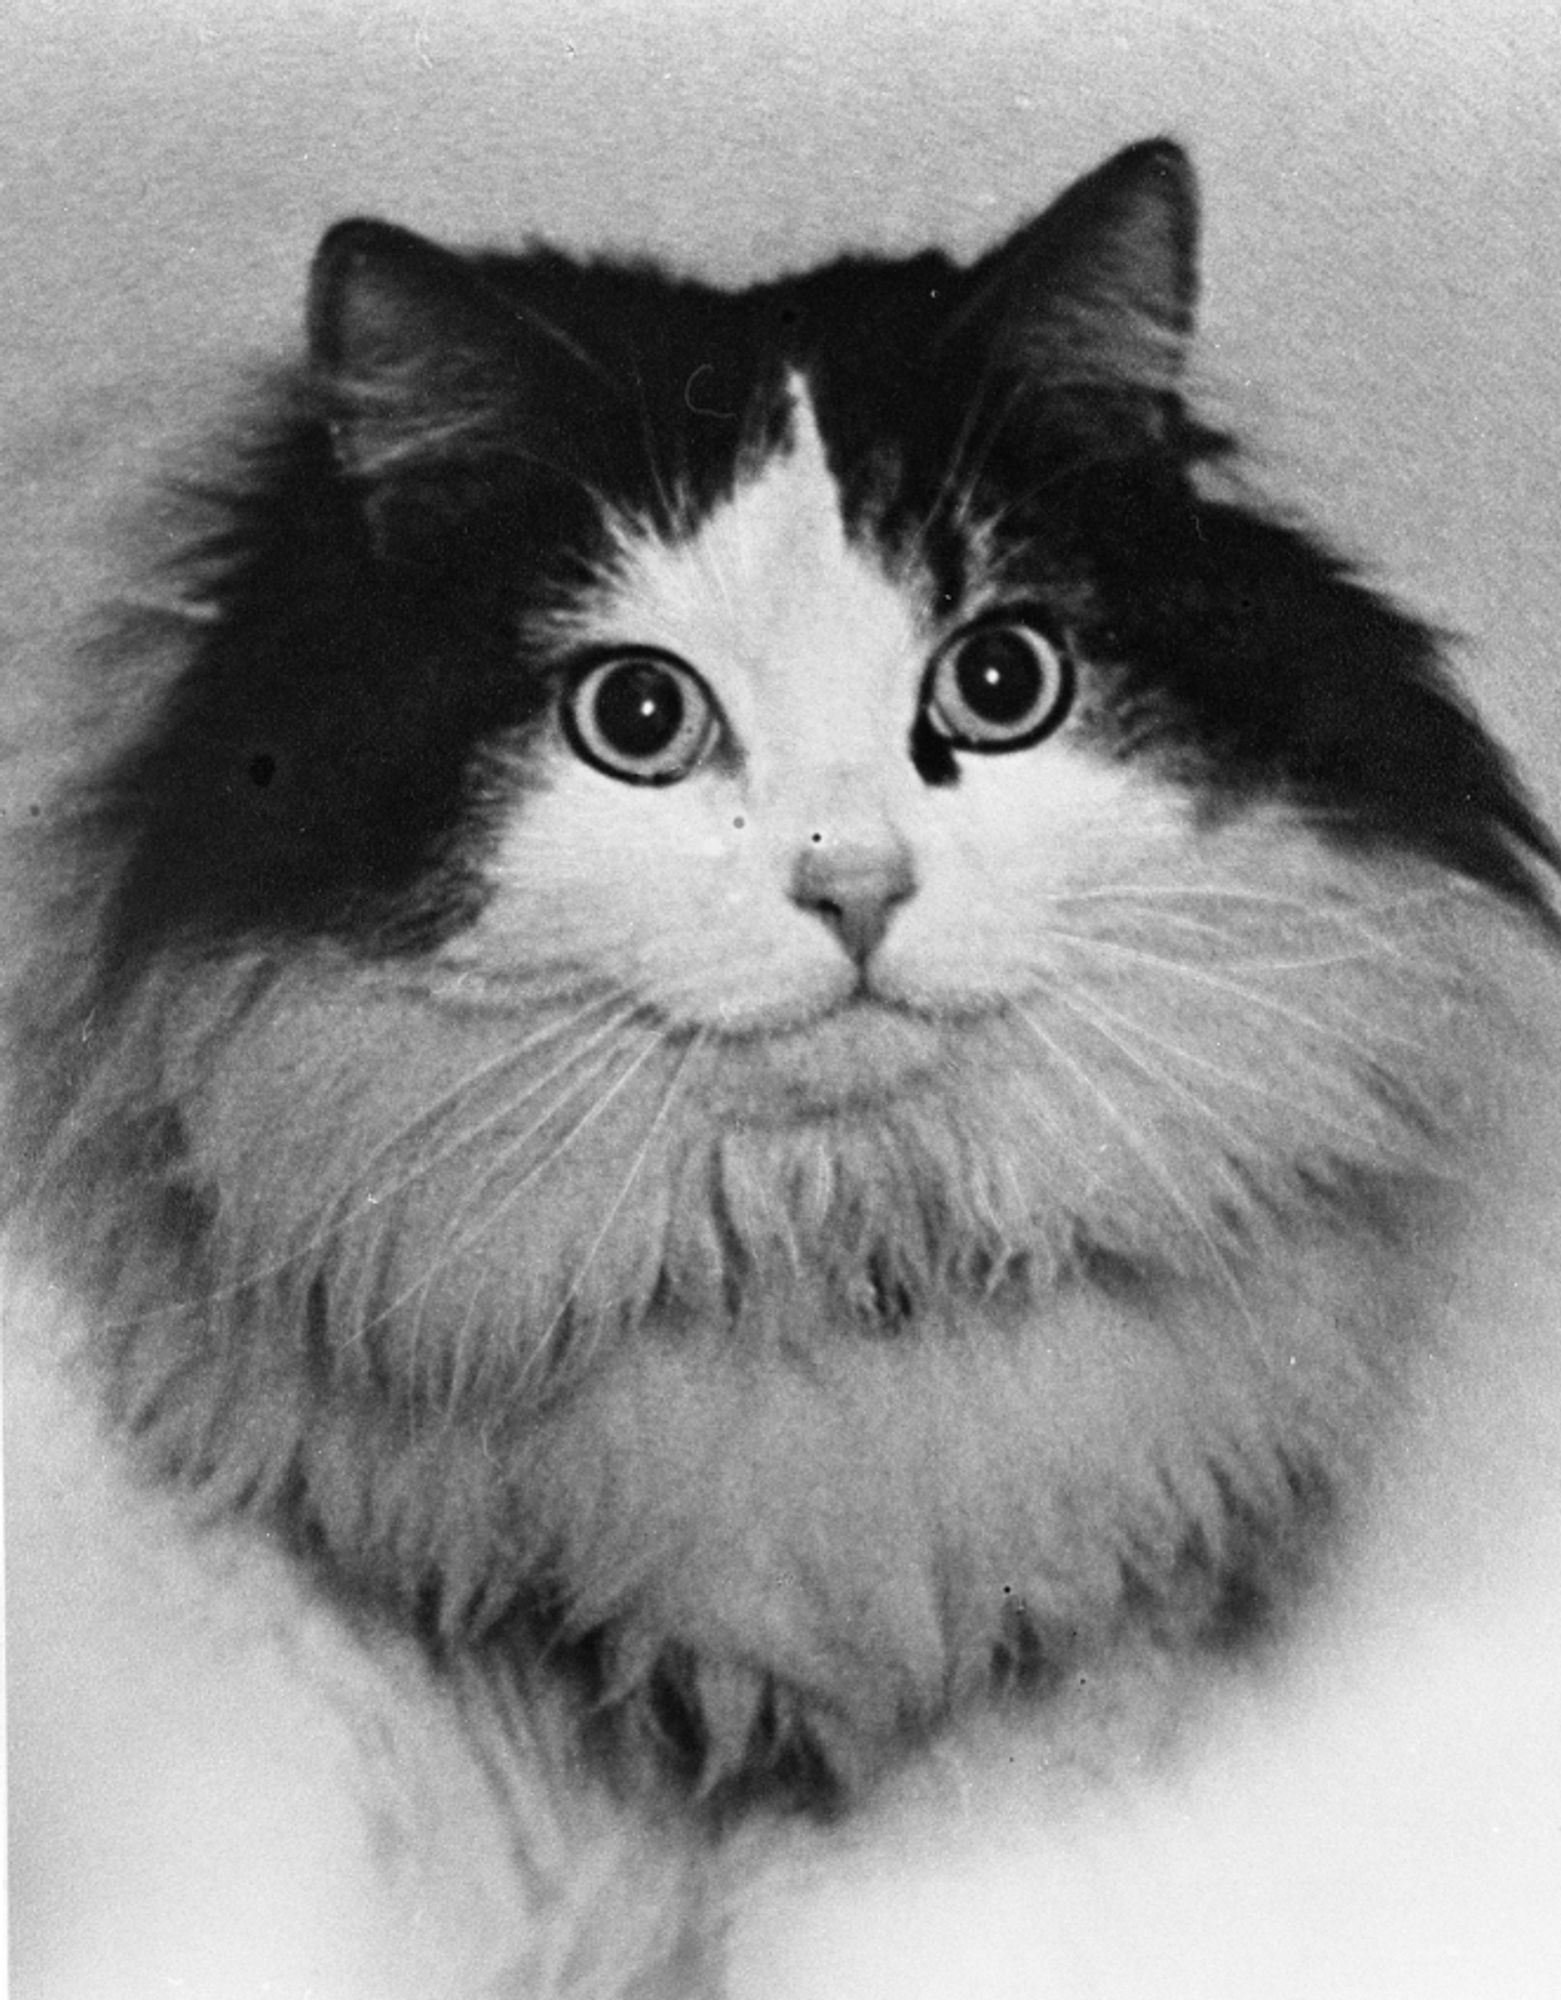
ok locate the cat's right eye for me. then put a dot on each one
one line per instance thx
(643, 716)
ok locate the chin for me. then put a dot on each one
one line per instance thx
(850, 1061)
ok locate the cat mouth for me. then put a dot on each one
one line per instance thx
(857, 1054)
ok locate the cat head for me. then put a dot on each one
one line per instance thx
(574, 599)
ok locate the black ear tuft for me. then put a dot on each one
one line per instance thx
(1100, 289)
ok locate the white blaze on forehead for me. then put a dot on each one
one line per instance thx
(773, 603)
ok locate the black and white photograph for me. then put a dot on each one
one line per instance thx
(780, 999)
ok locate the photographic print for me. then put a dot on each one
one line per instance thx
(780, 1001)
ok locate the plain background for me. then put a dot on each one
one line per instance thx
(1382, 311)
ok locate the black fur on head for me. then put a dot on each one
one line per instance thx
(436, 473)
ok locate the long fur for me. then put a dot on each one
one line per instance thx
(704, 1394)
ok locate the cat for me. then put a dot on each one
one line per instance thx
(770, 1031)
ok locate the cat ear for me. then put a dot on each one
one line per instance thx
(409, 343)
(1100, 289)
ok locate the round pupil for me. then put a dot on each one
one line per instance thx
(639, 708)
(998, 676)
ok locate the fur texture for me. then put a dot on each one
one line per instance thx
(892, 1164)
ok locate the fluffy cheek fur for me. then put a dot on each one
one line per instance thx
(511, 1302)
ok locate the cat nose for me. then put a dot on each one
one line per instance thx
(853, 889)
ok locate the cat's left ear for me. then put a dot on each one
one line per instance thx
(1100, 289)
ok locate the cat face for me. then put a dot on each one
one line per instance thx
(767, 859)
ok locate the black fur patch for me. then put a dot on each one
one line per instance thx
(316, 768)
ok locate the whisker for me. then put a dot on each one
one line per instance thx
(440, 1106)
(618, 1011)
(1351, 919)
(463, 1336)
(636, 1165)
(1143, 1152)
(380, 1196)
(1179, 1052)
(381, 1201)
(1250, 994)
(1215, 891)
(457, 1239)
(1313, 1112)
(574, 1078)
(1158, 1076)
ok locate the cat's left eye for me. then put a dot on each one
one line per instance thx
(998, 685)
(644, 717)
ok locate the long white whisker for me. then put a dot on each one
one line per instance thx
(1158, 1076)
(1252, 995)
(565, 1071)
(1134, 1030)
(1313, 1112)
(438, 1108)
(1143, 1152)
(462, 1337)
(458, 1236)
(636, 1166)
(1384, 937)
(1227, 892)
(618, 1011)
(379, 1198)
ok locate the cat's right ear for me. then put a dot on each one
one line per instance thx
(407, 344)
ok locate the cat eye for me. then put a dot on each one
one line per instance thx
(643, 717)
(999, 685)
